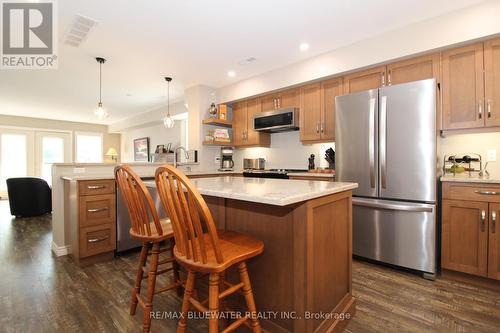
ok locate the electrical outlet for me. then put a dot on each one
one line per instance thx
(491, 155)
(217, 160)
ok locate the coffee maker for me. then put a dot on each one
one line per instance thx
(226, 159)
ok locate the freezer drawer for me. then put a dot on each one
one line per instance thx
(398, 233)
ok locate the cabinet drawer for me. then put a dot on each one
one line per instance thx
(472, 192)
(97, 239)
(94, 187)
(97, 209)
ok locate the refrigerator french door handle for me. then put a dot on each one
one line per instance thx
(383, 141)
(371, 143)
(390, 206)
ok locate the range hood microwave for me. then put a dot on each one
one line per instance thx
(281, 120)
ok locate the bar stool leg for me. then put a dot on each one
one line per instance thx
(153, 268)
(213, 303)
(138, 279)
(181, 327)
(247, 291)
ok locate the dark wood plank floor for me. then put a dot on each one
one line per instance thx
(42, 293)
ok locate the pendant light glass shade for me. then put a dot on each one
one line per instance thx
(100, 112)
(168, 121)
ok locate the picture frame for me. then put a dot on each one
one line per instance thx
(160, 149)
(141, 149)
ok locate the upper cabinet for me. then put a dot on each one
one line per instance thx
(317, 110)
(282, 99)
(421, 68)
(365, 80)
(310, 112)
(492, 82)
(243, 132)
(463, 87)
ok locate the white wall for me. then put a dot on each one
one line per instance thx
(158, 135)
(286, 152)
(473, 143)
(455, 27)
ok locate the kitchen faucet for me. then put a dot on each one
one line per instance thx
(176, 164)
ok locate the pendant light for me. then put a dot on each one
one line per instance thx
(168, 121)
(100, 112)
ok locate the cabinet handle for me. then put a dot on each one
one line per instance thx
(96, 187)
(382, 75)
(317, 127)
(486, 192)
(480, 109)
(322, 128)
(95, 240)
(389, 79)
(96, 210)
(483, 220)
(493, 221)
(489, 109)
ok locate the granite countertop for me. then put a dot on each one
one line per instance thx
(280, 192)
(465, 178)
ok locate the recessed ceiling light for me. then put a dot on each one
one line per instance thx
(231, 73)
(304, 47)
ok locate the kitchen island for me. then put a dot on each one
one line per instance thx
(302, 281)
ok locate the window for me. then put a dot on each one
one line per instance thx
(88, 148)
(52, 152)
(13, 156)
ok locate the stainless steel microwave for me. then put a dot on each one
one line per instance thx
(277, 120)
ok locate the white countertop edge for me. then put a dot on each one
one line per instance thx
(282, 202)
(311, 174)
(291, 199)
(463, 179)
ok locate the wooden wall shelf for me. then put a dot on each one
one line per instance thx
(217, 143)
(218, 122)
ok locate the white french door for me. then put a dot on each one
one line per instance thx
(16, 155)
(51, 147)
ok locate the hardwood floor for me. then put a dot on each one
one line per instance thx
(42, 293)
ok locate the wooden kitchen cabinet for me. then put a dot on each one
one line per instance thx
(310, 112)
(421, 68)
(369, 79)
(494, 243)
(278, 100)
(463, 87)
(465, 236)
(90, 216)
(470, 237)
(317, 110)
(243, 133)
(239, 123)
(329, 90)
(492, 82)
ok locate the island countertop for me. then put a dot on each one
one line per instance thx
(279, 192)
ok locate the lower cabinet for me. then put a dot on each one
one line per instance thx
(93, 228)
(470, 241)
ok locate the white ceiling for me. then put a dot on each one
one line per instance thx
(195, 42)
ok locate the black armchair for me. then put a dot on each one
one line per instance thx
(29, 196)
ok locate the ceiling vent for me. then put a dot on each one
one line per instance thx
(79, 30)
(247, 61)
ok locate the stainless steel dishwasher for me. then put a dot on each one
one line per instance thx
(124, 241)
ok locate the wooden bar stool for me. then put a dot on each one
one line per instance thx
(151, 231)
(200, 248)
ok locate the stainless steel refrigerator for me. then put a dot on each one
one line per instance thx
(386, 142)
